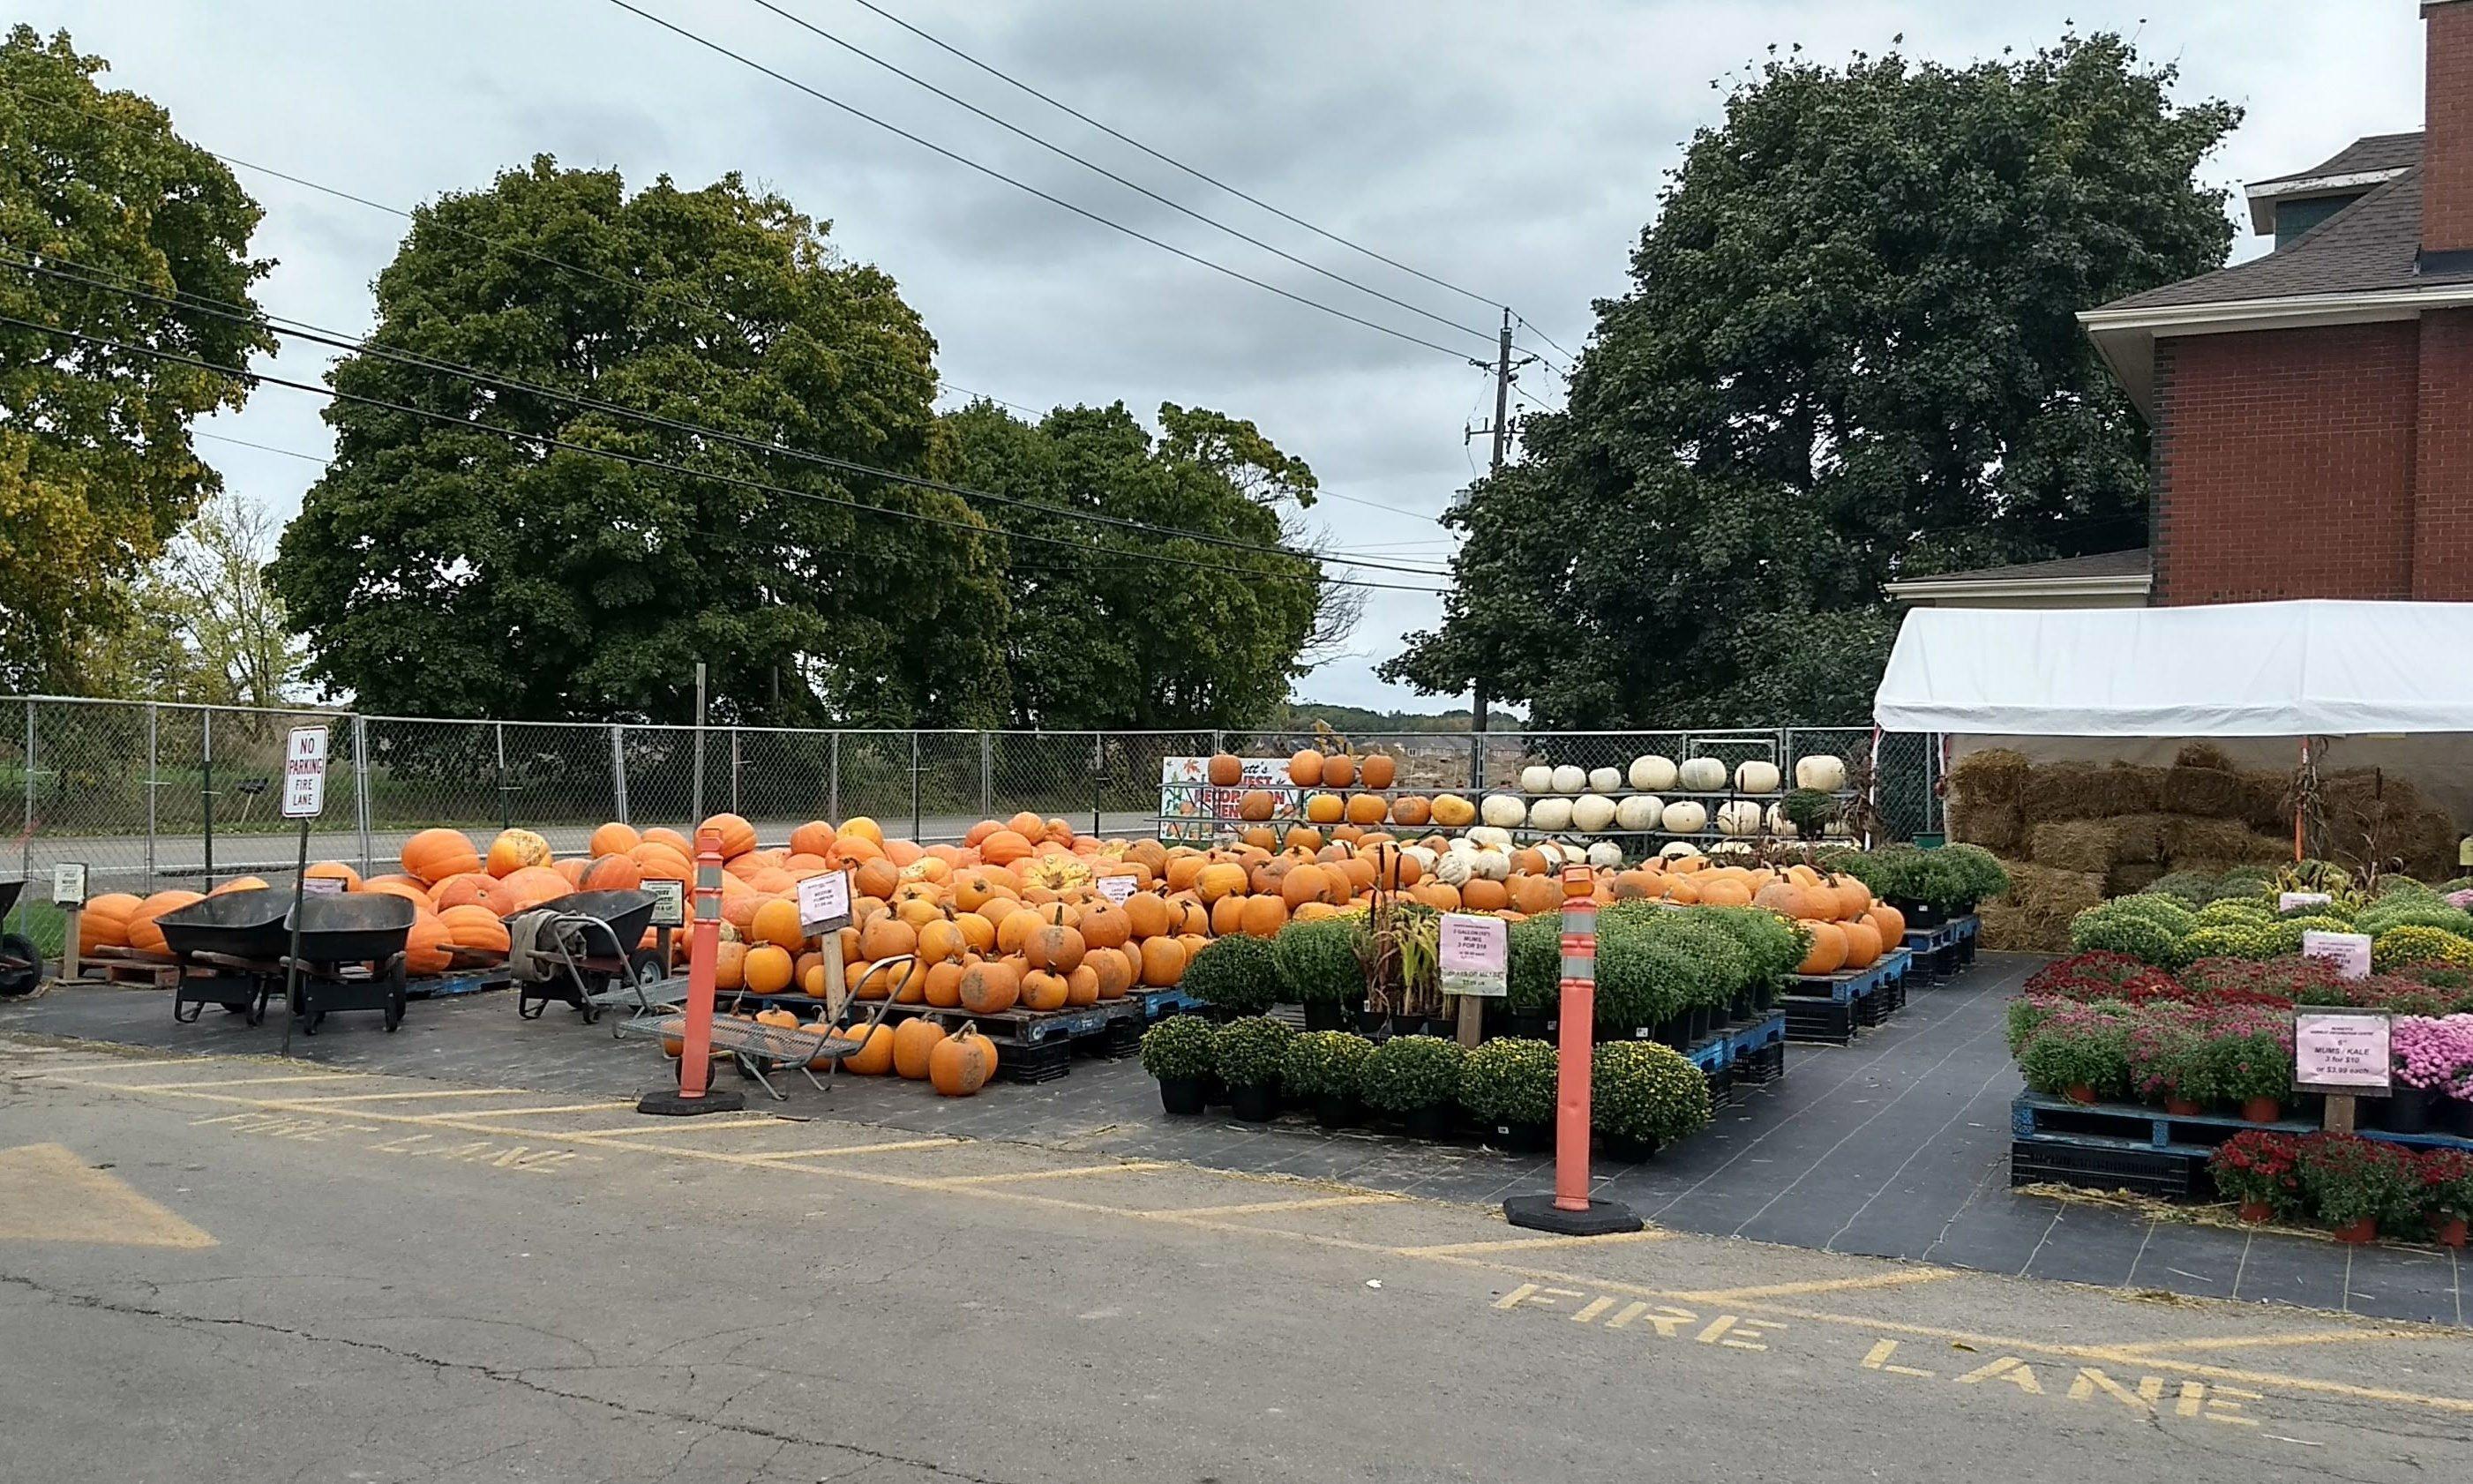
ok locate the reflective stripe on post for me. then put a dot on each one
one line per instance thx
(1577, 1039)
(704, 952)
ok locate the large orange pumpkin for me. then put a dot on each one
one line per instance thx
(104, 923)
(1255, 805)
(874, 1057)
(531, 885)
(1325, 809)
(334, 871)
(1045, 990)
(942, 985)
(1105, 926)
(989, 986)
(766, 970)
(777, 921)
(812, 838)
(665, 837)
(941, 941)
(614, 838)
(1162, 962)
(240, 884)
(612, 874)
(1220, 879)
(435, 854)
(960, 1064)
(1863, 942)
(1339, 771)
(1305, 769)
(1227, 770)
(473, 887)
(1112, 969)
(475, 926)
(1379, 768)
(1055, 947)
(143, 935)
(425, 946)
(1263, 917)
(1147, 914)
(1412, 810)
(1367, 808)
(1828, 952)
(738, 836)
(914, 1040)
(1005, 848)
(1892, 924)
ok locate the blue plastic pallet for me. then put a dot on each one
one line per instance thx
(2125, 1125)
(1746, 1040)
(472, 981)
(1851, 985)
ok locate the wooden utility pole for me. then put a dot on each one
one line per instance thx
(1483, 701)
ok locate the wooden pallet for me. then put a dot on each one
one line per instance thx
(127, 969)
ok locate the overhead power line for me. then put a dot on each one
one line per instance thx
(994, 174)
(639, 461)
(300, 329)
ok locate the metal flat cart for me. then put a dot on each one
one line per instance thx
(230, 950)
(760, 1051)
(352, 956)
(21, 962)
(581, 950)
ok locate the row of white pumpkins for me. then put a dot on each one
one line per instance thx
(1484, 854)
(1594, 813)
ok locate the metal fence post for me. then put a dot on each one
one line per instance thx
(25, 840)
(1099, 774)
(206, 787)
(1477, 761)
(695, 796)
(733, 770)
(361, 783)
(987, 774)
(833, 779)
(506, 816)
(914, 786)
(153, 782)
(618, 769)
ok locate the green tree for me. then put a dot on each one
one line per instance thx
(1849, 353)
(441, 569)
(96, 466)
(1101, 639)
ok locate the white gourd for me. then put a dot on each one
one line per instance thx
(1424, 856)
(1678, 850)
(1605, 855)
(1740, 817)
(1732, 849)
(1779, 825)
(1488, 837)
(1651, 774)
(1703, 775)
(1551, 852)
(1592, 813)
(1756, 776)
(1605, 780)
(1640, 811)
(1550, 814)
(1492, 865)
(1570, 779)
(1536, 778)
(1503, 811)
(1454, 867)
(1822, 771)
(1685, 817)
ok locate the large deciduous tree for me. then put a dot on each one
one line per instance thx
(444, 568)
(1849, 353)
(96, 466)
(1115, 626)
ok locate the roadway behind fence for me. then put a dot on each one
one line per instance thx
(154, 795)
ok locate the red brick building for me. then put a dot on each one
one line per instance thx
(2311, 408)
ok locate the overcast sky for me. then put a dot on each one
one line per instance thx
(1512, 148)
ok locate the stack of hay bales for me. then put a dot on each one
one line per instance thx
(2075, 833)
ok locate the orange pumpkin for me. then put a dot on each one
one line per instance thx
(425, 946)
(812, 838)
(960, 1064)
(1219, 879)
(1305, 768)
(435, 854)
(239, 884)
(1082, 985)
(1146, 915)
(1367, 808)
(941, 941)
(738, 836)
(1479, 894)
(766, 968)
(612, 874)
(1301, 837)
(475, 926)
(1339, 771)
(1113, 969)
(1412, 810)
(728, 966)
(143, 934)
(1828, 952)
(943, 984)
(671, 838)
(514, 850)
(886, 936)
(1054, 946)
(104, 923)
(1379, 770)
(614, 838)
(531, 885)
(914, 1040)
(472, 888)
(1227, 770)
(1890, 922)
(989, 986)
(1325, 809)
(1045, 990)
(1162, 962)
(1263, 917)
(1005, 848)
(572, 869)
(1255, 805)
(1863, 942)
(874, 1057)
(334, 871)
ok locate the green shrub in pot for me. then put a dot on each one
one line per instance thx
(1237, 973)
(1325, 1064)
(1179, 1047)
(1536, 966)
(1638, 1089)
(1509, 1081)
(1408, 1074)
(1248, 1051)
(1317, 961)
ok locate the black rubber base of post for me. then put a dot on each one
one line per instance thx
(1539, 1213)
(671, 1103)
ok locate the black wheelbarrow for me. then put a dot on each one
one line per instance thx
(232, 949)
(352, 956)
(575, 948)
(21, 962)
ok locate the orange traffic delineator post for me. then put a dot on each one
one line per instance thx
(1570, 1211)
(695, 1093)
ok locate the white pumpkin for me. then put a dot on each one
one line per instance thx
(1823, 771)
(1487, 837)
(1731, 850)
(1605, 855)
(1640, 811)
(1553, 853)
(1491, 865)
(1454, 867)
(1652, 774)
(1739, 817)
(1536, 778)
(1678, 850)
(1550, 814)
(1779, 825)
(1423, 855)
(1570, 779)
(1605, 780)
(1503, 811)
(1685, 817)
(1701, 774)
(1592, 813)
(1756, 776)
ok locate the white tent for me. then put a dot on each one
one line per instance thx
(2228, 670)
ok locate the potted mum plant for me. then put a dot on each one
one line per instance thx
(2260, 1171)
(2430, 1056)
(2080, 1053)
(2355, 1184)
(1249, 1051)
(1415, 1078)
(1178, 1052)
(1644, 1095)
(2446, 1193)
(1235, 976)
(2172, 1061)
(1508, 1087)
(1320, 969)
(2253, 1060)
(1325, 1069)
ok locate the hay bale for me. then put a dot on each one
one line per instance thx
(2130, 878)
(2209, 793)
(2035, 914)
(2366, 808)
(1998, 828)
(2073, 845)
(2010, 930)
(1994, 776)
(2138, 839)
(2218, 844)
(2203, 754)
(2081, 791)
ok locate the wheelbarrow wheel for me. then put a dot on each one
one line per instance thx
(397, 989)
(644, 967)
(22, 965)
(394, 1012)
(310, 1022)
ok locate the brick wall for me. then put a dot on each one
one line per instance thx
(2447, 142)
(2284, 463)
(2442, 525)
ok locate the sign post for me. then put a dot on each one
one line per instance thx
(824, 911)
(1473, 966)
(2343, 1053)
(693, 1093)
(304, 799)
(68, 893)
(1570, 1212)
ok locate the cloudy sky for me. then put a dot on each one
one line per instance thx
(1512, 150)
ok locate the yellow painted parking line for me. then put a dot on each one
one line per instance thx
(1316, 1203)
(1529, 1243)
(48, 1194)
(526, 1112)
(1128, 1167)
(228, 1082)
(395, 1097)
(1819, 1285)
(890, 1146)
(2273, 1341)
(704, 1125)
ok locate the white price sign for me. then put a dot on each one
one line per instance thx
(1117, 888)
(68, 885)
(824, 901)
(305, 773)
(669, 901)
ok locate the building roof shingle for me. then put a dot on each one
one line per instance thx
(2366, 155)
(2134, 562)
(2372, 245)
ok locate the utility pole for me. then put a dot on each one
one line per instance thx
(1501, 436)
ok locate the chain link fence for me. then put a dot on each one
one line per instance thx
(149, 796)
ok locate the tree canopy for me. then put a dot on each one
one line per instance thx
(1112, 627)
(441, 569)
(1849, 353)
(97, 470)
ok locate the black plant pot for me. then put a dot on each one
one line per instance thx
(1621, 1148)
(2408, 1109)
(1324, 1015)
(1762, 996)
(1214, 1091)
(1180, 1095)
(1676, 1032)
(1373, 1022)
(1220, 1015)
(1917, 913)
(1337, 1110)
(1256, 1102)
(1741, 1008)
(1696, 1026)
(2456, 1116)
(1411, 1025)
(1435, 1121)
(1523, 1138)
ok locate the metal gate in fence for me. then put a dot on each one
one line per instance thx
(148, 795)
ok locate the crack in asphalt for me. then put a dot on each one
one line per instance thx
(870, 1456)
